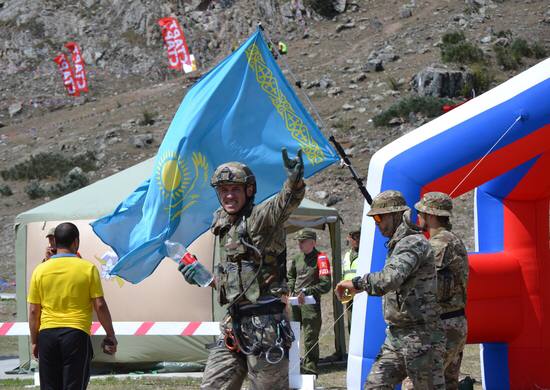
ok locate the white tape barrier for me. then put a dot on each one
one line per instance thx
(149, 328)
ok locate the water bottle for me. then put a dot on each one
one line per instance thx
(179, 254)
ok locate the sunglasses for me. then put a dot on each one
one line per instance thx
(377, 218)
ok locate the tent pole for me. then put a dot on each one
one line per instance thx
(338, 310)
(21, 288)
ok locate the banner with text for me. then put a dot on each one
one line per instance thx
(178, 53)
(67, 73)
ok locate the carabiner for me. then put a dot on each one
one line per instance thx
(231, 341)
(276, 350)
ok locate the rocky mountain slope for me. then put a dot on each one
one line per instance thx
(353, 62)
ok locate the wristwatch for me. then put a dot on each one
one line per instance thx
(356, 283)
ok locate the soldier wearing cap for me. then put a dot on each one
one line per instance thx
(309, 274)
(451, 261)
(407, 284)
(251, 279)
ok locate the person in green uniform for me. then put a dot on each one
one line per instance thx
(309, 274)
(349, 266)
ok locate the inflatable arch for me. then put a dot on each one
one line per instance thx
(497, 144)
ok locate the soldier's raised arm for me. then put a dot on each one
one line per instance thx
(277, 209)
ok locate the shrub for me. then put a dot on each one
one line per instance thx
(322, 7)
(5, 190)
(44, 165)
(393, 83)
(148, 118)
(35, 190)
(455, 48)
(539, 51)
(74, 180)
(427, 105)
(481, 80)
(505, 58)
(520, 48)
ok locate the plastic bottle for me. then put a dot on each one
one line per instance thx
(177, 252)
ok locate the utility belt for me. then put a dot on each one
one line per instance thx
(453, 314)
(260, 330)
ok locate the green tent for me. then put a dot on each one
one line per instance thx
(157, 294)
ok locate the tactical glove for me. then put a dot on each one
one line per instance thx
(295, 167)
(188, 271)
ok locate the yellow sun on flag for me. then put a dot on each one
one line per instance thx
(172, 175)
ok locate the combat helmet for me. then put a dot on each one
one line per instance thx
(435, 203)
(388, 202)
(233, 173)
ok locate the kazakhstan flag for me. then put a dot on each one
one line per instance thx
(242, 110)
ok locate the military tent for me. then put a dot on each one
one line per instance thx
(161, 297)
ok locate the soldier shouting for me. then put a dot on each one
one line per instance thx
(256, 334)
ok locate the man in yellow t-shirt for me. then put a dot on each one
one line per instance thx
(62, 293)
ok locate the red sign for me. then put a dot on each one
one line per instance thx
(176, 47)
(68, 76)
(323, 264)
(78, 66)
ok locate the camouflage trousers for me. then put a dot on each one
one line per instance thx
(309, 317)
(456, 330)
(226, 369)
(409, 351)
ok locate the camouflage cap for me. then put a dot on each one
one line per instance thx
(306, 235)
(435, 203)
(388, 202)
(233, 173)
(51, 232)
(355, 234)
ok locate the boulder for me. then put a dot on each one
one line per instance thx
(440, 82)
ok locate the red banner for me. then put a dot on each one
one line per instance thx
(78, 67)
(68, 76)
(174, 41)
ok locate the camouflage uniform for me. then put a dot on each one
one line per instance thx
(258, 323)
(408, 286)
(451, 262)
(303, 276)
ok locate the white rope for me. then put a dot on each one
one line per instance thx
(486, 154)
(346, 308)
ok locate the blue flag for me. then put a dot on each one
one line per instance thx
(242, 110)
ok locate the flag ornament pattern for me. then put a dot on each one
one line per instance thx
(293, 123)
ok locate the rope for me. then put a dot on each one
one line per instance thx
(486, 154)
(346, 308)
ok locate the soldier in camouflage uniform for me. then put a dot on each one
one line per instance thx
(408, 286)
(250, 279)
(309, 274)
(451, 261)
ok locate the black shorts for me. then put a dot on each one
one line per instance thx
(64, 356)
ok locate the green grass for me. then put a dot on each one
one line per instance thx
(456, 49)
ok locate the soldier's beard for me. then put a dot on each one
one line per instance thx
(396, 219)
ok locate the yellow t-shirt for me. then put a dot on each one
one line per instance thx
(64, 286)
